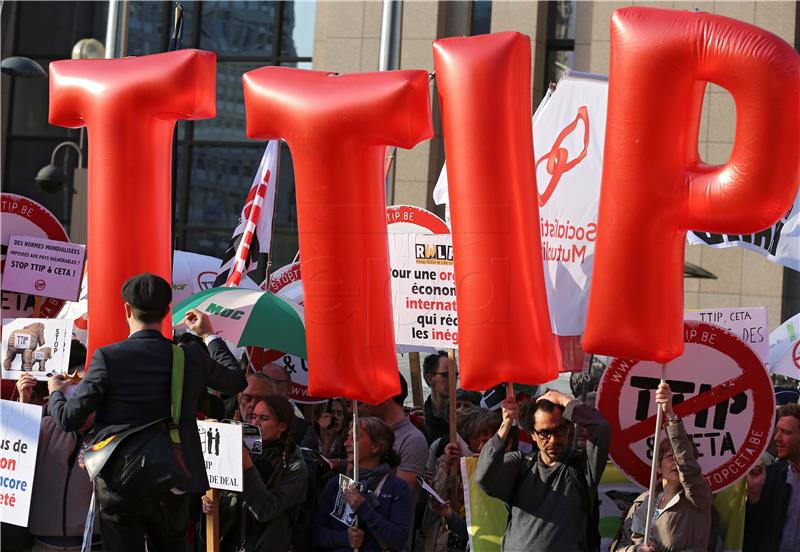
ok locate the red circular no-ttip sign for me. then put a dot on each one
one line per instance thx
(25, 217)
(721, 391)
(796, 354)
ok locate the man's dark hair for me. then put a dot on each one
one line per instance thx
(431, 362)
(789, 410)
(527, 409)
(401, 398)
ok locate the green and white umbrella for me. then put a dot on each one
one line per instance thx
(249, 317)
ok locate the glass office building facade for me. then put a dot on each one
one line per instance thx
(214, 162)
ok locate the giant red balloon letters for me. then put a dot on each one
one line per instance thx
(130, 107)
(504, 325)
(338, 127)
(655, 187)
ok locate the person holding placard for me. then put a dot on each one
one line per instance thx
(275, 483)
(682, 509)
(553, 494)
(382, 506)
(128, 386)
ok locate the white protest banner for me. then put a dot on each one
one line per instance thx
(780, 243)
(784, 349)
(19, 440)
(222, 452)
(25, 217)
(39, 346)
(423, 290)
(43, 267)
(409, 219)
(749, 323)
(568, 139)
(721, 391)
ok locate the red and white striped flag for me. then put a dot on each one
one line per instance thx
(253, 234)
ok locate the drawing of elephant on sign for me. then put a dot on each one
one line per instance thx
(24, 341)
(41, 356)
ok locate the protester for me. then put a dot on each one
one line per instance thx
(383, 505)
(303, 432)
(552, 496)
(258, 387)
(128, 385)
(466, 399)
(275, 483)
(773, 493)
(435, 370)
(681, 518)
(409, 442)
(62, 489)
(444, 526)
(333, 434)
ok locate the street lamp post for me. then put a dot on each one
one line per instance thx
(52, 177)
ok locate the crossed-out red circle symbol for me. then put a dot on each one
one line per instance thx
(557, 164)
(796, 354)
(752, 377)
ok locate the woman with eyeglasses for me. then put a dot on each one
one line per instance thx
(275, 483)
(682, 510)
(382, 506)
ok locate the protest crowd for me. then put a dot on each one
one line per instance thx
(576, 401)
(541, 456)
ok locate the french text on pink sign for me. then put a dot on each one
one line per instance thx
(48, 268)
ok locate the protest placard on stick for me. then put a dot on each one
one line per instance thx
(720, 390)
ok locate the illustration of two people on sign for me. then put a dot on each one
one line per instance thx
(28, 342)
(212, 441)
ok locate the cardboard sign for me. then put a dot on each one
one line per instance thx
(222, 452)
(424, 290)
(39, 266)
(721, 391)
(39, 346)
(25, 217)
(19, 440)
(749, 323)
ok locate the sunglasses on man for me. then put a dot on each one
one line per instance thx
(545, 434)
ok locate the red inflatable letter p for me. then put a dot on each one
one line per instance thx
(655, 187)
(129, 106)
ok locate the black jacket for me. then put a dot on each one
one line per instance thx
(128, 385)
(763, 529)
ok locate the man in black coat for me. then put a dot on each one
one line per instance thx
(128, 385)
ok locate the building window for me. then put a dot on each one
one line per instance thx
(481, 20)
(560, 45)
(214, 162)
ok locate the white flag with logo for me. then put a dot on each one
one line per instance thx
(569, 134)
